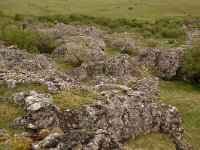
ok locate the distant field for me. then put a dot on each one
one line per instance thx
(140, 9)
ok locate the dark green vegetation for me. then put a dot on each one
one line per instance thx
(8, 111)
(184, 96)
(74, 99)
(191, 62)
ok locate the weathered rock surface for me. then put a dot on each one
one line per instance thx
(79, 140)
(165, 63)
(41, 111)
(15, 59)
(118, 66)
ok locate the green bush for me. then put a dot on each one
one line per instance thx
(191, 62)
(23, 39)
(172, 33)
(32, 41)
(127, 50)
(45, 44)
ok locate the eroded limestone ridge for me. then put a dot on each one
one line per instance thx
(129, 107)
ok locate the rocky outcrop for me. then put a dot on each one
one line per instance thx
(118, 66)
(42, 113)
(81, 140)
(126, 115)
(15, 59)
(129, 109)
(165, 62)
(80, 43)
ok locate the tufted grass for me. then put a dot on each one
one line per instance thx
(74, 99)
(8, 111)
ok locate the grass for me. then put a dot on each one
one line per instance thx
(146, 9)
(152, 141)
(8, 111)
(74, 99)
(15, 143)
(65, 66)
(111, 52)
(186, 97)
(7, 92)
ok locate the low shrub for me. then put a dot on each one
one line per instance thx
(127, 50)
(23, 39)
(32, 41)
(191, 62)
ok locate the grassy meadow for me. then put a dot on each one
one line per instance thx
(140, 9)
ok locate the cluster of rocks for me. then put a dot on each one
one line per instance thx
(125, 113)
(118, 66)
(19, 67)
(79, 43)
(129, 109)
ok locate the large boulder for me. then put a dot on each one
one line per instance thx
(166, 63)
(42, 113)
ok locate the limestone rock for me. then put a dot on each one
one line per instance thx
(79, 140)
(41, 111)
(165, 63)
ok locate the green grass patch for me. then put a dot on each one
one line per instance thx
(65, 66)
(74, 99)
(8, 113)
(7, 92)
(152, 141)
(186, 97)
(112, 52)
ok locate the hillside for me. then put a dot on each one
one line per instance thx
(99, 75)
